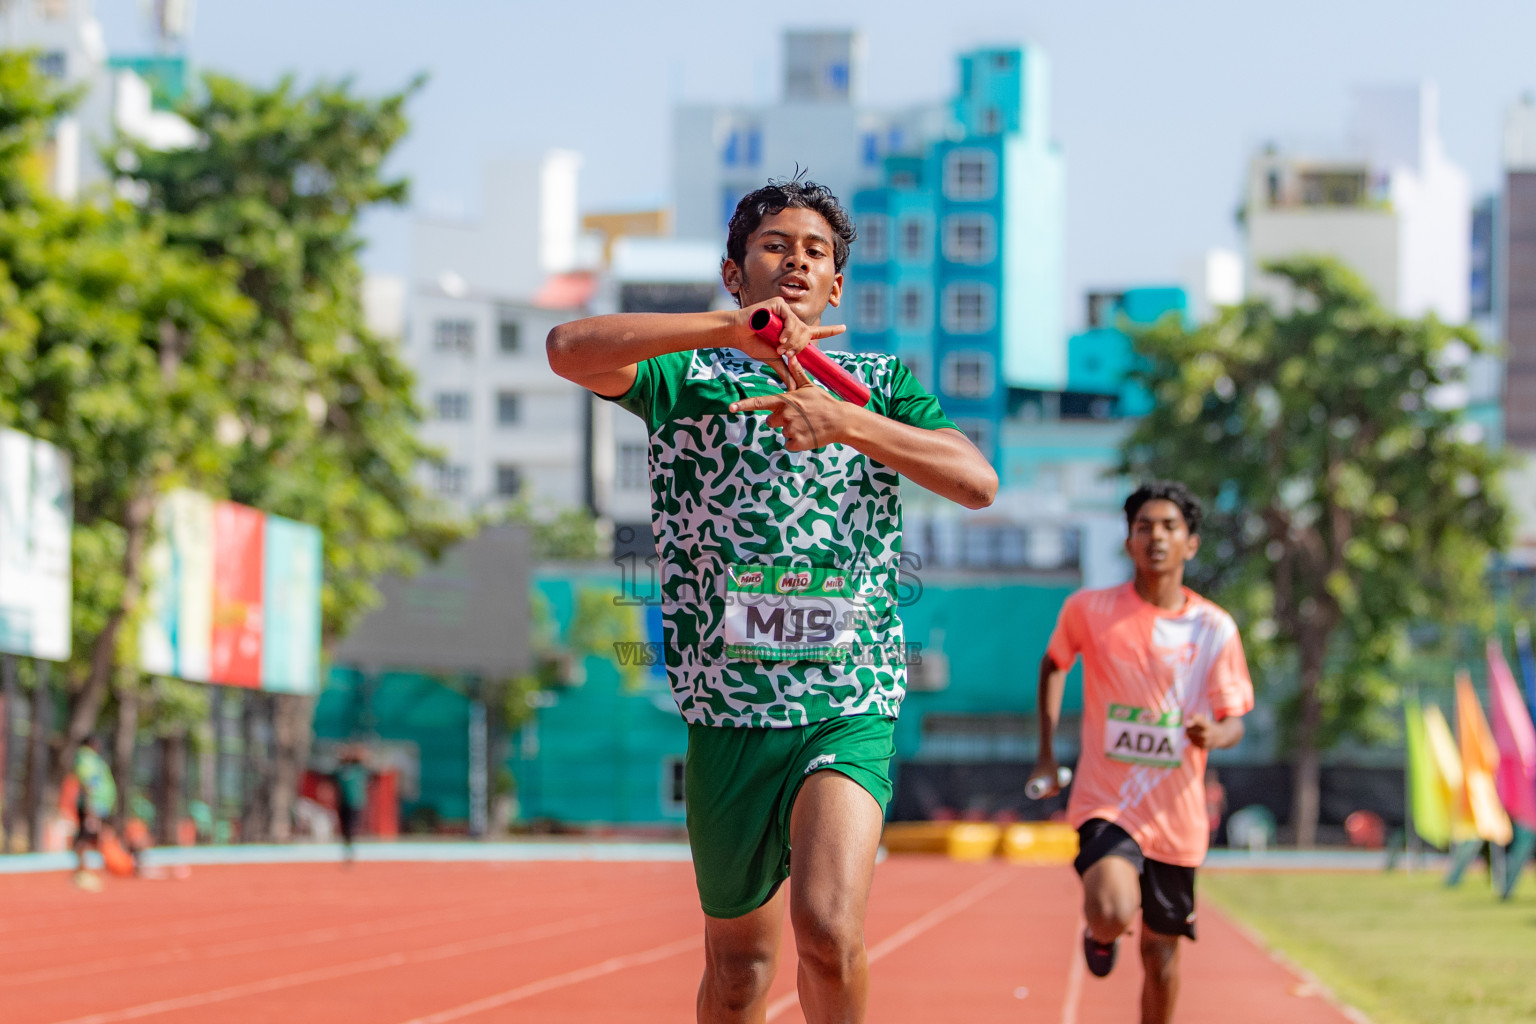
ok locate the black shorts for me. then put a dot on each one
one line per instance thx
(1167, 890)
(86, 831)
(346, 817)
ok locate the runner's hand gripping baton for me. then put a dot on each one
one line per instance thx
(1035, 788)
(768, 326)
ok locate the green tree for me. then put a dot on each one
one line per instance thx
(116, 347)
(325, 426)
(1347, 498)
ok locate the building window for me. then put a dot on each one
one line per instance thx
(871, 149)
(970, 238)
(872, 238)
(729, 197)
(970, 174)
(453, 336)
(451, 480)
(914, 238)
(452, 406)
(871, 308)
(969, 374)
(509, 408)
(911, 307)
(53, 64)
(918, 365)
(672, 785)
(979, 431)
(632, 473)
(991, 121)
(509, 480)
(509, 337)
(970, 307)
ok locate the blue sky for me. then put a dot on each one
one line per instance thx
(1157, 103)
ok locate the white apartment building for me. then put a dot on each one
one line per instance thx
(1388, 202)
(72, 50)
(646, 275)
(719, 153)
(482, 296)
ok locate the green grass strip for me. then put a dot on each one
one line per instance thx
(1401, 947)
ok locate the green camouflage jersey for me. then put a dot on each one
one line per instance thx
(778, 569)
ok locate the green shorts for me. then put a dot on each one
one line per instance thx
(741, 786)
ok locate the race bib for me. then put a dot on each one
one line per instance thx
(1139, 736)
(796, 613)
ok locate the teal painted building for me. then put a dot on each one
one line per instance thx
(609, 747)
(959, 267)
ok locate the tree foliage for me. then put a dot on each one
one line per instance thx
(325, 426)
(116, 347)
(1347, 496)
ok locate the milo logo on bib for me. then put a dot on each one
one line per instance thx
(1141, 736)
(791, 581)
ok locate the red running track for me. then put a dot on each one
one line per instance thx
(566, 943)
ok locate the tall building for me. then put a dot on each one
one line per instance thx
(1388, 202)
(1515, 291)
(819, 126)
(482, 296)
(113, 93)
(958, 270)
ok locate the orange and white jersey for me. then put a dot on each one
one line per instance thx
(1146, 670)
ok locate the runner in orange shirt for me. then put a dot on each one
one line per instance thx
(1164, 682)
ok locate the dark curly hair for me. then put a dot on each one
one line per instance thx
(782, 194)
(1165, 490)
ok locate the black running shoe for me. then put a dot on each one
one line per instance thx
(1100, 956)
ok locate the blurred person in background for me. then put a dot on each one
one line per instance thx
(97, 798)
(1215, 802)
(351, 796)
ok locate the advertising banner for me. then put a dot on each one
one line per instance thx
(234, 597)
(290, 647)
(36, 517)
(237, 577)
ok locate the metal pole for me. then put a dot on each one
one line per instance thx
(9, 792)
(216, 784)
(478, 825)
(37, 772)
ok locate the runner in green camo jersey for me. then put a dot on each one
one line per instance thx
(779, 539)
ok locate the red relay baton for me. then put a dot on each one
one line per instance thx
(767, 325)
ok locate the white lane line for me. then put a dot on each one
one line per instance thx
(588, 973)
(377, 963)
(185, 954)
(1075, 974)
(936, 916)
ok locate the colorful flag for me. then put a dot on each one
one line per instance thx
(1527, 664)
(1479, 764)
(1445, 760)
(1515, 779)
(1428, 799)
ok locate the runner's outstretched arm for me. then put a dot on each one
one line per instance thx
(1053, 684)
(601, 353)
(944, 461)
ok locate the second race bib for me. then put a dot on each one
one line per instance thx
(1135, 735)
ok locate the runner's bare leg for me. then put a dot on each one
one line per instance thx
(741, 955)
(834, 834)
(1111, 897)
(1160, 986)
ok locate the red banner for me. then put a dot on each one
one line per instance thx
(237, 579)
